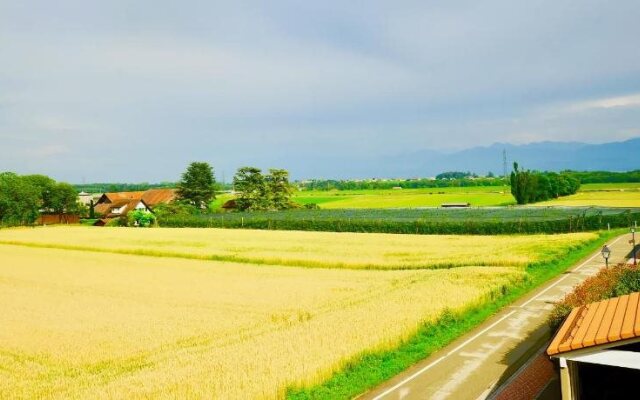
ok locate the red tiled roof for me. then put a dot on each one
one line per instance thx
(598, 323)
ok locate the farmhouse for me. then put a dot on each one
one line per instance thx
(114, 205)
(598, 349)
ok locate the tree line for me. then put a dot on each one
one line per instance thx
(24, 197)
(534, 186)
(418, 183)
(254, 190)
(605, 176)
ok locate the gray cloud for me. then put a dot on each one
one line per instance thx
(122, 86)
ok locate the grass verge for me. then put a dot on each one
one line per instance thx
(371, 369)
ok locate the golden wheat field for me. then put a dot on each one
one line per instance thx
(84, 324)
(309, 249)
(602, 198)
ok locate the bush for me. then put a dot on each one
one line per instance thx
(608, 282)
(174, 209)
(141, 218)
(628, 282)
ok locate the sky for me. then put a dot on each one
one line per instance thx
(135, 90)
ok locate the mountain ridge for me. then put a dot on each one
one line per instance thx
(546, 156)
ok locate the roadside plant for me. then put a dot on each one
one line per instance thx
(141, 219)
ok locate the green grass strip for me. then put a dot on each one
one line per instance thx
(371, 369)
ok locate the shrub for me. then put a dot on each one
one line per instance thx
(629, 282)
(608, 282)
(141, 218)
(114, 222)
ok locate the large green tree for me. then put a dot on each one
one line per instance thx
(262, 192)
(253, 193)
(20, 200)
(64, 199)
(45, 187)
(197, 186)
(532, 186)
(279, 189)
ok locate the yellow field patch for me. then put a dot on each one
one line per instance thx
(609, 198)
(79, 324)
(309, 249)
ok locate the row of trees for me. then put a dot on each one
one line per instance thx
(256, 191)
(262, 192)
(23, 198)
(533, 186)
(331, 184)
(605, 176)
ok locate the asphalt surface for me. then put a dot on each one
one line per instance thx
(474, 365)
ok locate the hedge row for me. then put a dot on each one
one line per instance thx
(578, 223)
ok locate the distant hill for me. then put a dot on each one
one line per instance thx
(552, 156)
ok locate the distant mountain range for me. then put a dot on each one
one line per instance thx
(551, 156)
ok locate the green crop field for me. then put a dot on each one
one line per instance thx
(479, 220)
(590, 194)
(407, 198)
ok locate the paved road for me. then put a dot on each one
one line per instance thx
(472, 366)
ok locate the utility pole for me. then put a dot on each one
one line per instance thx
(504, 170)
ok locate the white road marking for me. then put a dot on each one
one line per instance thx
(427, 367)
(482, 332)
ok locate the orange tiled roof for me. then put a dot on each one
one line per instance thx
(153, 197)
(115, 196)
(598, 323)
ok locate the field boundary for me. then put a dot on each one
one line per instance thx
(373, 368)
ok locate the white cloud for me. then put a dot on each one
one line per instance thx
(609, 102)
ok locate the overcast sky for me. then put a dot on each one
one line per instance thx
(134, 90)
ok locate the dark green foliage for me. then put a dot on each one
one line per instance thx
(175, 209)
(416, 221)
(45, 187)
(605, 176)
(141, 219)
(197, 186)
(252, 187)
(629, 282)
(455, 175)
(23, 198)
(257, 192)
(92, 210)
(20, 200)
(532, 186)
(332, 184)
(279, 189)
(63, 198)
